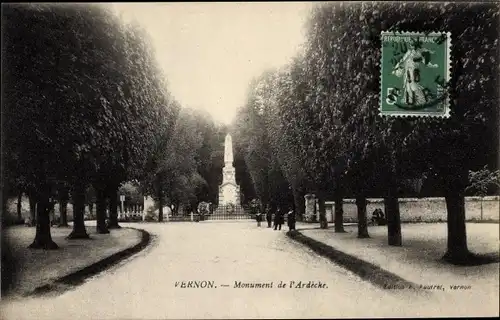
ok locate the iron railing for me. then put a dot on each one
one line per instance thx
(227, 213)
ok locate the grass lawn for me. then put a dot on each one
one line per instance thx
(34, 268)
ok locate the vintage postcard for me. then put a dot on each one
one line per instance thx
(250, 160)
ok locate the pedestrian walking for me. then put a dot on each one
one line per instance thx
(282, 217)
(278, 219)
(258, 217)
(269, 216)
(291, 219)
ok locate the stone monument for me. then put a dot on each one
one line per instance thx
(310, 208)
(229, 191)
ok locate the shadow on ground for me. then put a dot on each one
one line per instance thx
(10, 266)
(365, 270)
(421, 248)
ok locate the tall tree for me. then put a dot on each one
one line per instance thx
(98, 114)
(447, 149)
(255, 140)
(173, 171)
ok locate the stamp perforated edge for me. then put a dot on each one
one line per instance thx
(406, 114)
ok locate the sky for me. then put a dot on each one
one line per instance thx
(211, 51)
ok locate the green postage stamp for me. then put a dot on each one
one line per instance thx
(415, 72)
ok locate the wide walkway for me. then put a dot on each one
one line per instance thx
(419, 260)
(144, 287)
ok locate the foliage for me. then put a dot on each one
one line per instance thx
(132, 193)
(96, 115)
(337, 123)
(255, 206)
(255, 140)
(484, 181)
(318, 116)
(172, 167)
(203, 208)
(91, 121)
(207, 162)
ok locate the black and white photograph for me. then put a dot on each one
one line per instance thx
(250, 160)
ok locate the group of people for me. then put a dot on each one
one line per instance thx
(279, 218)
(378, 217)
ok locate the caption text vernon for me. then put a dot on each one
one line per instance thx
(253, 285)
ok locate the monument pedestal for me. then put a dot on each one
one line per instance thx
(229, 193)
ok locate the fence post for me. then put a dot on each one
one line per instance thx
(482, 208)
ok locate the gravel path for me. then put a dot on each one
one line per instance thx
(144, 286)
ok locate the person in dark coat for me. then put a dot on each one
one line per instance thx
(375, 217)
(278, 219)
(291, 219)
(258, 217)
(269, 216)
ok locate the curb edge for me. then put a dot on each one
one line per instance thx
(365, 270)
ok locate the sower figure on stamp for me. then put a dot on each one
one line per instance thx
(291, 219)
(409, 68)
(269, 216)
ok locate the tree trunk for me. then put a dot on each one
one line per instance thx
(392, 213)
(91, 210)
(79, 230)
(323, 223)
(52, 214)
(19, 206)
(339, 212)
(391, 202)
(160, 206)
(393, 216)
(113, 207)
(32, 201)
(101, 227)
(457, 251)
(5, 195)
(63, 212)
(43, 238)
(63, 206)
(298, 199)
(362, 223)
